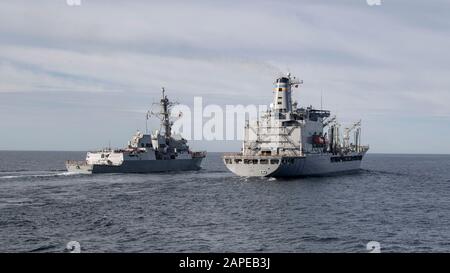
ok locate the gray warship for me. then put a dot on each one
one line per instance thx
(160, 151)
(290, 141)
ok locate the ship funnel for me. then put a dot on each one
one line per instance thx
(282, 101)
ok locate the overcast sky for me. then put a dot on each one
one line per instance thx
(75, 78)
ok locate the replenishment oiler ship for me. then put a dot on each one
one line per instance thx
(288, 141)
(145, 153)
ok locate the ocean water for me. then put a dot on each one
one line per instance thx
(400, 201)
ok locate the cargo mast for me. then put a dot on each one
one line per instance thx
(165, 113)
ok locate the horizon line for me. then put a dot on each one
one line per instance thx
(380, 153)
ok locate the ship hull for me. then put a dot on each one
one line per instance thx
(308, 165)
(138, 166)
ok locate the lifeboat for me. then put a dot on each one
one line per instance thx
(318, 140)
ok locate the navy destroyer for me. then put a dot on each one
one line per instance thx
(157, 152)
(288, 140)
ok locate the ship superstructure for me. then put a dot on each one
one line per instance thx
(288, 140)
(145, 153)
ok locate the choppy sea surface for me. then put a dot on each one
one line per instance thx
(400, 201)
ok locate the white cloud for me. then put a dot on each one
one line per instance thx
(377, 63)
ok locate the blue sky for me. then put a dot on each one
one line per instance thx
(75, 78)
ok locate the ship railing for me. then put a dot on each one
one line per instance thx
(103, 150)
(242, 156)
(199, 154)
(76, 162)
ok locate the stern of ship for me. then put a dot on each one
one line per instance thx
(251, 165)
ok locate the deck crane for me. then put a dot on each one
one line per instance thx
(347, 130)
